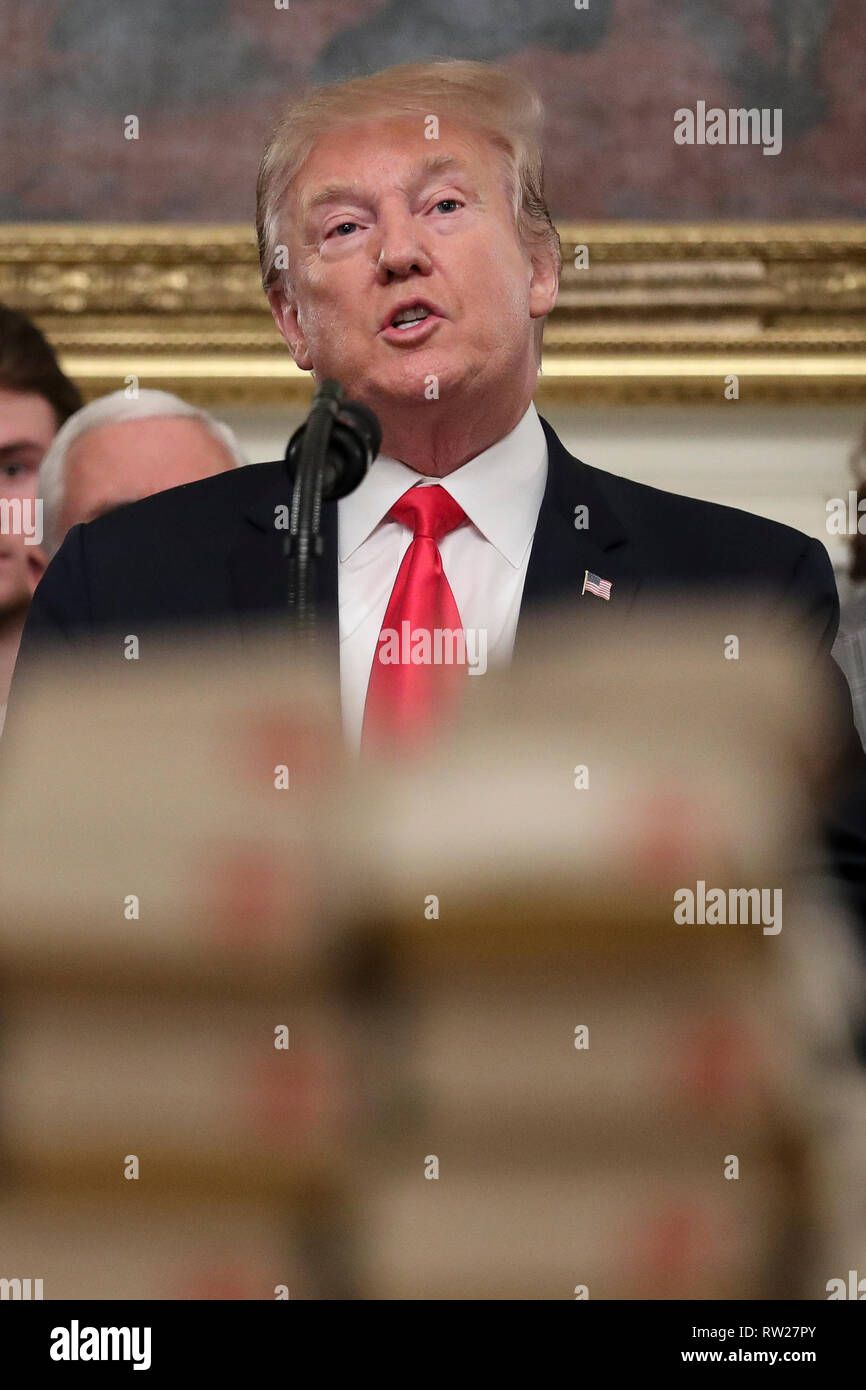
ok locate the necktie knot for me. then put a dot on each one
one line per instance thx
(429, 512)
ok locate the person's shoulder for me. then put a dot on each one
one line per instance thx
(692, 533)
(648, 507)
(222, 497)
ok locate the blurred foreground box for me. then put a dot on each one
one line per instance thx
(548, 1012)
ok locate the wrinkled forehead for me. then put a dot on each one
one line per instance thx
(371, 156)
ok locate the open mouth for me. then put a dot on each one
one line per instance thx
(409, 321)
(407, 317)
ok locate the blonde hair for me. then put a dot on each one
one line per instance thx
(497, 102)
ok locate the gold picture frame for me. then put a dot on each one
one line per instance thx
(666, 313)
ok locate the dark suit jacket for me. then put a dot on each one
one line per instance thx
(208, 552)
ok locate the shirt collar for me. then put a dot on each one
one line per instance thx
(500, 490)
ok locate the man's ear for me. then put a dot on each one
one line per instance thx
(543, 285)
(285, 312)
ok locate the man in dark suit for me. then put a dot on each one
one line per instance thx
(411, 257)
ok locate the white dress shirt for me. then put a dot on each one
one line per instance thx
(485, 562)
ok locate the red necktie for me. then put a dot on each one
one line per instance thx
(412, 683)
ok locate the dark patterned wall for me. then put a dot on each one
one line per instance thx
(205, 78)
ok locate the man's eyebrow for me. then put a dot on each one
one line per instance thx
(334, 193)
(17, 446)
(354, 193)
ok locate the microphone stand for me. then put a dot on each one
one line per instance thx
(330, 453)
(304, 543)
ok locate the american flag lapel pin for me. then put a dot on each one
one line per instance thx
(596, 585)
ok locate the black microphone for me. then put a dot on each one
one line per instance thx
(354, 441)
(327, 457)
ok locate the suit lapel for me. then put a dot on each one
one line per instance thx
(561, 554)
(562, 551)
(258, 567)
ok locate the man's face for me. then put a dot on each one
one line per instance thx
(114, 464)
(21, 568)
(27, 427)
(382, 218)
